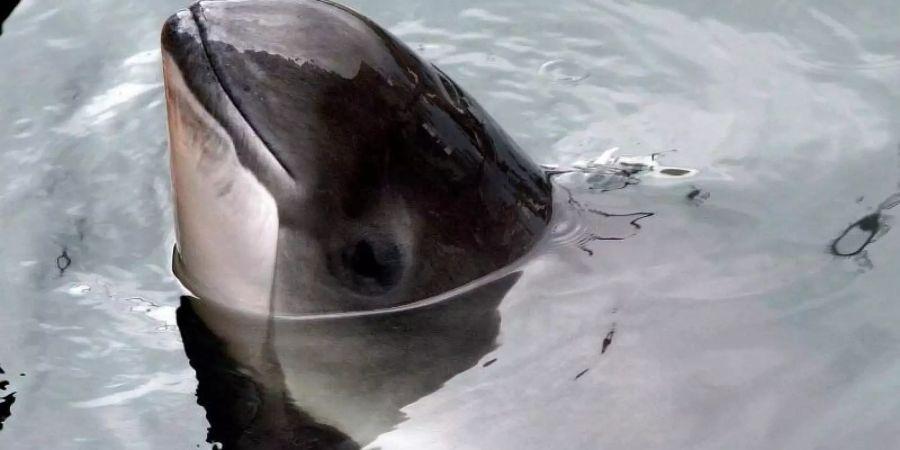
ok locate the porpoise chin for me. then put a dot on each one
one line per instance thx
(319, 165)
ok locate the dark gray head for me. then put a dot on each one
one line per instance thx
(319, 165)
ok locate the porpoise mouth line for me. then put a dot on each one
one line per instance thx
(511, 268)
(514, 267)
(200, 20)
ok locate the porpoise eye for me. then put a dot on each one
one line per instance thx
(374, 267)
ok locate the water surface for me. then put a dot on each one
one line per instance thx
(724, 321)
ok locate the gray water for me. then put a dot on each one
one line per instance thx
(724, 321)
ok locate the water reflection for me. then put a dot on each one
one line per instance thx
(736, 328)
(6, 400)
(332, 383)
(6, 9)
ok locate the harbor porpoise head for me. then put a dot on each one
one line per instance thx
(320, 166)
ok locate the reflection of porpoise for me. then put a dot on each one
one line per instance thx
(320, 166)
(330, 383)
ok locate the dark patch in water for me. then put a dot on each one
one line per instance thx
(608, 339)
(63, 262)
(697, 195)
(6, 401)
(580, 374)
(856, 237)
(487, 364)
(674, 172)
(637, 217)
(6, 407)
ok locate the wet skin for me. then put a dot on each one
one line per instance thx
(319, 165)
